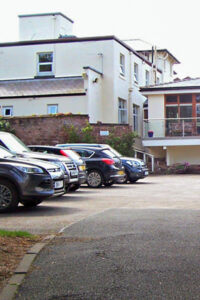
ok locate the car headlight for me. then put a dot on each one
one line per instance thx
(82, 168)
(31, 170)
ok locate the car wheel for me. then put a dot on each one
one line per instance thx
(108, 183)
(123, 180)
(133, 180)
(74, 187)
(8, 196)
(31, 203)
(94, 179)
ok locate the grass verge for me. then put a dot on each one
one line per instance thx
(6, 233)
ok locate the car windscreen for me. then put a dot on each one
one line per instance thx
(4, 153)
(14, 144)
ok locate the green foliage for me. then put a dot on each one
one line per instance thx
(73, 135)
(123, 144)
(7, 233)
(87, 134)
(5, 126)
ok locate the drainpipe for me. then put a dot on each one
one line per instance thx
(130, 91)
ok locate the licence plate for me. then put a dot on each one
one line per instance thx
(58, 184)
(146, 173)
(74, 173)
(121, 172)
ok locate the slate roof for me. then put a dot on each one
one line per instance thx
(41, 87)
(188, 83)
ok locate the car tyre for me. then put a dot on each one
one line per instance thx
(74, 187)
(94, 179)
(123, 180)
(8, 196)
(108, 183)
(133, 180)
(31, 203)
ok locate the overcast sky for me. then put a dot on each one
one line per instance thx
(171, 24)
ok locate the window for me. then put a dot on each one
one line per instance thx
(7, 111)
(122, 65)
(45, 63)
(52, 109)
(146, 77)
(122, 111)
(135, 117)
(136, 73)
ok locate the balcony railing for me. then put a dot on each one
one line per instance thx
(164, 128)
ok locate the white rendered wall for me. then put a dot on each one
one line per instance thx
(38, 106)
(43, 27)
(182, 154)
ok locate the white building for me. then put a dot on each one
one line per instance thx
(51, 71)
(174, 120)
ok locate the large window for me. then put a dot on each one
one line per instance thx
(122, 111)
(122, 64)
(135, 117)
(45, 63)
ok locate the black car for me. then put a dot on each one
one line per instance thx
(24, 183)
(68, 153)
(15, 145)
(103, 166)
(53, 170)
(135, 168)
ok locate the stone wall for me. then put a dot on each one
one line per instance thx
(49, 130)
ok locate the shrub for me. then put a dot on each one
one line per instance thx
(5, 126)
(123, 144)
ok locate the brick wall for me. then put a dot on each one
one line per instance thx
(49, 130)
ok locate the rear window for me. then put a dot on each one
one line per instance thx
(108, 153)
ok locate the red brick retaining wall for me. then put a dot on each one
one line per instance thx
(49, 130)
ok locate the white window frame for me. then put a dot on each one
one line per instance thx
(136, 72)
(52, 106)
(4, 108)
(50, 63)
(122, 64)
(122, 111)
(147, 77)
(135, 117)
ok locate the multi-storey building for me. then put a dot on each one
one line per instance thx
(51, 71)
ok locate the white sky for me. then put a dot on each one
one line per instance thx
(171, 24)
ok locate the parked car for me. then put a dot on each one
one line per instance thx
(103, 166)
(16, 146)
(68, 153)
(55, 172)
(135, 168)
(24, 183)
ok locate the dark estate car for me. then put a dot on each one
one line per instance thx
(68, 153)
(55, 172)
(27, 183)
(135, 168)
(15, 145)
(103, 166)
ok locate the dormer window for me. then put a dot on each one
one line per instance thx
(45, 63)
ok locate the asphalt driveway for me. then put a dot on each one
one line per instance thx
(154, 192)
(136, 241)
